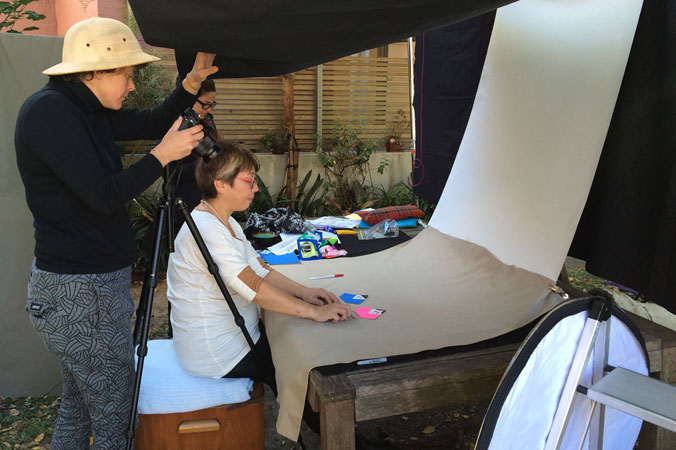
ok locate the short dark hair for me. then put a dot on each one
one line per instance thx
(207, 85)
(77, 77)
(74, 78)
(231, 160)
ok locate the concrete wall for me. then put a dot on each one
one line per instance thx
(112, 8)
(69, 12)
(273, 166)
(26, 368)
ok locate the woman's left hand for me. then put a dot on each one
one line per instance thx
(201, 69)
(319, 296)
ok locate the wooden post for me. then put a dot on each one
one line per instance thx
(291, 178)
(319, 117)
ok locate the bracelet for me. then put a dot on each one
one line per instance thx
(159, 156)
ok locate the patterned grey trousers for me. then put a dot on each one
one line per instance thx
(84, 320)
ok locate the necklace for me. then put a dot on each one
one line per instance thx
(218, 216)
(213, 210)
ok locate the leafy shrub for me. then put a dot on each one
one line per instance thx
(402, 194)
(310, 203)
(397, 194)
(426, 207)
(347, 167)
(14, 10)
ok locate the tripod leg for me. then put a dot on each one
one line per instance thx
(143, 302)
(149, 292)
(148, 286)
(170, 190)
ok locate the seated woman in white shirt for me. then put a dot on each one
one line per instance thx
(207, 341)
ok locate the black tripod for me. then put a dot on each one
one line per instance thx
(164, 215)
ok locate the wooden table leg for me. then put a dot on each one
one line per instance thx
(334, 396)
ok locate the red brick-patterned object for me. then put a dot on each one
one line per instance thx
(390, 212)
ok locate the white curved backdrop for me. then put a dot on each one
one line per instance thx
(546, 96)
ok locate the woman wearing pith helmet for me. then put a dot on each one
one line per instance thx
(79, 290)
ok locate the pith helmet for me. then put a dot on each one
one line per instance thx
(99, 44)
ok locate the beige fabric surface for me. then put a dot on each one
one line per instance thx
(437, 290)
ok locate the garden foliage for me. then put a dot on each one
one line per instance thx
(13, 11)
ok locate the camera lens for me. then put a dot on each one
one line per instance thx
(206, 148)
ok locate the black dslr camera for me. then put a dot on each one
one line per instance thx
(206, 148)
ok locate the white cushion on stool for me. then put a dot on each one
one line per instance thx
(167, 388)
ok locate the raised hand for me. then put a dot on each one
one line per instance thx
(201, 69)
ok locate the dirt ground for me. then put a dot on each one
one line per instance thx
(448, 428)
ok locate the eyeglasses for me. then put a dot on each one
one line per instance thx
(206, 105)
(253, 182)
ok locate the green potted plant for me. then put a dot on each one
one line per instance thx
(276, 142)
(393, 142)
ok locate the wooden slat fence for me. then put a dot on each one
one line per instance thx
(367, 92)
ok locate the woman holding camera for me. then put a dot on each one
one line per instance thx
(79, 290)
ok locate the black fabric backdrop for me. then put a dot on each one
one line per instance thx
(628, 229)
(272, 37)
(452, 58)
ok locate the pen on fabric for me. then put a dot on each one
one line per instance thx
(371, 361)
(337, 275)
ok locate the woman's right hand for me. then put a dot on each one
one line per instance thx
(177, 144)
(335, 312)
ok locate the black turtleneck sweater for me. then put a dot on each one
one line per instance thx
(75, 185)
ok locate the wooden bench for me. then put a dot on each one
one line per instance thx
(441, 381)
